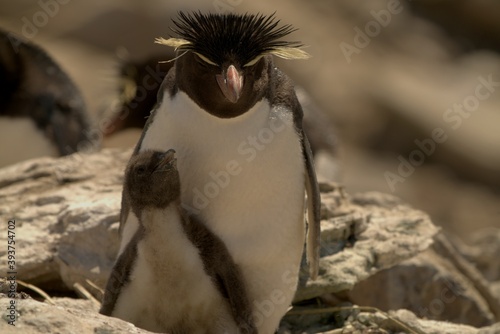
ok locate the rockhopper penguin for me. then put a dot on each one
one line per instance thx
(42, 112)
(244, 161)
(174, 276)
(135, 103)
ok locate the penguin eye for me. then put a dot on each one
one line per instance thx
(64, 106)
(253, 61)
(140, 170)
(205, 59)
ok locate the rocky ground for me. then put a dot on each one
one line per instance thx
(378, 255)
(396, 96)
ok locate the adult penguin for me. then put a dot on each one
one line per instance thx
(244, 161)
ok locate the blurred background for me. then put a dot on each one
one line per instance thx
(411, 88)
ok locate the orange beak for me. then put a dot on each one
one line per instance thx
(230, 84)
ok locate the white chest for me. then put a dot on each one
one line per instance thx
(243, 176)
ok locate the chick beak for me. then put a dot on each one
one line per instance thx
(230, 84)
(168, 161)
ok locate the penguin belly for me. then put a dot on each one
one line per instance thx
(168, 290)
(245, 178)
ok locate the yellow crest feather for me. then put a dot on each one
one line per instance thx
(176, 43)
(290, 53)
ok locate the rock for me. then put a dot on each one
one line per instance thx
(354, 320)
(483, 252)
(495, 289)
(430, 326)
(362, 235)
(473, 22)
(67, 316)
(447, 249)
(437, 284)
(494, 329)
(80, 316)
(409, 96)
(66, 223)
(66, 214)
(428, 285)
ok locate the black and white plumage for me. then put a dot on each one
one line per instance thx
(175, 276)
(230, 48)
(39, 103)
(244, 160)
(133, 110)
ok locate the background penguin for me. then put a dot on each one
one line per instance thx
(174, 276)
(244, 160)
(41, 110)
(139, 82)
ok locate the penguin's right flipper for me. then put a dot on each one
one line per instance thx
(120, 275)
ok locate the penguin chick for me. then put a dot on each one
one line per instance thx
(174, 275)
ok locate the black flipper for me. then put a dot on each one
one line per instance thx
(313, 211)
(288, 98)
(120, 275)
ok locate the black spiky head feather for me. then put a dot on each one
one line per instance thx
(241, 38)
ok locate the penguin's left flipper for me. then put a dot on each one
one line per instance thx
(313, 210)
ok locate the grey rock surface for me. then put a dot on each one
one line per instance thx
(428, 285)
(493, 329)
(483, 252)
(80, 316)
(67, 316)
(430, 326)
(362, 235)
(66, 215)
(356, 320)
(495, 289)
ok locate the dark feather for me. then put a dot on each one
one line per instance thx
(238, 38)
